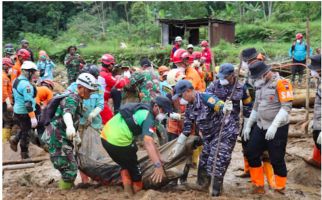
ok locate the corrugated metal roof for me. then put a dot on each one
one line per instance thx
(202, 21)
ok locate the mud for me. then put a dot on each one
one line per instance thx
(40, 182)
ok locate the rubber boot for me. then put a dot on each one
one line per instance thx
(203, 180)
(14, 143)
(127, 181)
(246, 169)
(195, 157)
(315, 161)
(257, 178)
(84, 177)
(63, 185)
(217, 187)
(280, 184)
(269, 173)
(137, 186)
(6, 133)
(25, 155)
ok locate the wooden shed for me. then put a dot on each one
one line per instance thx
(217, 29)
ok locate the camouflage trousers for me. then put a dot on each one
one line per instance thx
(72, 75)
(61, 155)
(210, 143)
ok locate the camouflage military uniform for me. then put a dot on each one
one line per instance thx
(149, 87)
(60, 148)
(73, 68)
(209, 123)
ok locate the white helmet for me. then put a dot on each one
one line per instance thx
(174, 76)
(178, 38)
(29, 65)
(87, 80)
(190, 46)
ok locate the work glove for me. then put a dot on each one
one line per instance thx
(77, 140)
(251, 120)
(34, 122)
(70, 130)
(244, 125)
(175, 116)
(228, 107)
(318, 141)
(282, 116)
(127, 74)
(9, 106)
(178, 147)
(93, 114)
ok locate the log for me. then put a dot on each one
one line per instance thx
(32, 160)
(19, 166)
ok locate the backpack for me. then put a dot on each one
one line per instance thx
(48, 113)
(127, 112)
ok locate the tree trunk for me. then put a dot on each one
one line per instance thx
(127, 15)
(264, 10)
(270, 8)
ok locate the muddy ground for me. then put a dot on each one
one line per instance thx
(40, 182)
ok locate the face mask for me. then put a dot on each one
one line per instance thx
(196, 63)
(251, 82)
(43, 57)
(182, 69)
(183, 101)
(203, 48)
(298, 41)
(244, 65)
(315, 74)
(223, 82)
(259, 83)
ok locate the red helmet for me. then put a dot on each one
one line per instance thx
(7, 62)
(179, 55)
(204, 43)
(108, 59)
(299, 36)
(48, 83)
(24, 53)
(196, 55)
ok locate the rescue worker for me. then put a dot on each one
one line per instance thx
(190, 49)
(108, 63)
(25, 45)
(73, 62)
(200, 68)
(9, 52)
(270, 117)
(149, 88)
(44, 93)
(94, 104)
(249, 56)
(45, 66)
(24, 94)
(207, 110)
(135, 119)
(163, 86)
(7, 100)
(176, 46)
(21, 56)
(206, 52)
(162, 69)
(181, 59)
(61, 131)
(297, 53)
(315, 68)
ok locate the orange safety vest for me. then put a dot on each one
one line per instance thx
(44, 95)
(6, 87)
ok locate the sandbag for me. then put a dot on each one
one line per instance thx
(95, 162)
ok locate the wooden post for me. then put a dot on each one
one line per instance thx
(212, 66)
(307, 100)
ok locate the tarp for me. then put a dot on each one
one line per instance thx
(95, 162)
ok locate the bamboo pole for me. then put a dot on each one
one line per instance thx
(307, 99)
(32, 160)
(18, 166)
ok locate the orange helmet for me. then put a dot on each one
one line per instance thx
(299, 36)
(196, 55)
(204, 43)
(7, 62)
(162, 69)
(108, 59)
(179, 55)
(24, 53)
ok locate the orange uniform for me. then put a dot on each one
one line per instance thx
(16, 70)
(193, 76)
(6, 87)
(44, 94)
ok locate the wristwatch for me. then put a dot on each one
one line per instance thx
(157, 165)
